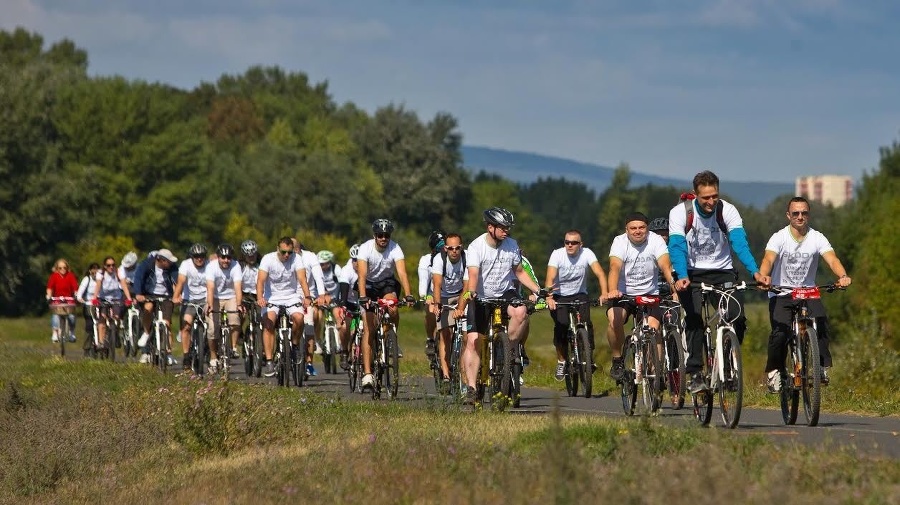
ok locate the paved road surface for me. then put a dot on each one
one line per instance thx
(870, 435)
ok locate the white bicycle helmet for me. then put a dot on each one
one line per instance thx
(325, 256)
(354, 251)
(248, 247)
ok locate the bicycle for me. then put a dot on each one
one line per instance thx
(385, 350)
(643, 368)
(452, 353)
(290, 359)
(224, 340)
(579, 359)
(252, 348)
(107, 310)
(672, 327)
(199, 356)
(803, 374)
(501, 371)
(160, 340)
(721, 357)
(331, 341)
(130, 329)
(62, 307)
(354, 358)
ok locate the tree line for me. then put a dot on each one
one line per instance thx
(102, 165)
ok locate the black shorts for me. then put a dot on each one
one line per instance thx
(478, 314)
(631, 309)
(376, 290)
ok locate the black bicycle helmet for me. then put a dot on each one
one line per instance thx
(659, 224)
(498, 216)
(225, 250)
(197, 250)
(382, 226)
(436, 239)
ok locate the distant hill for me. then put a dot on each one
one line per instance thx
(524, 167)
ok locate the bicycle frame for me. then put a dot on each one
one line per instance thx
(579, 361)
(224, 340)
(198, 339)
(381, 354)
(62, 306)
(647, 373)
(354, 371)
(496, 366)
(160, 332)
(285, 362)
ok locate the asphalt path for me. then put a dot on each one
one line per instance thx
(875, 436)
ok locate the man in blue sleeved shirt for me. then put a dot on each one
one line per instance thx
(155, 277)
(701, 251)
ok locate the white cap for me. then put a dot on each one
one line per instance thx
(167, 254)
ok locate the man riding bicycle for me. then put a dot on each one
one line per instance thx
(792, 257)
(636, 259)
(494, 261)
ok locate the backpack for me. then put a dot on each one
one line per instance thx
(688, 200)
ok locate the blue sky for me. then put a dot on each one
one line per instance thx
(753, 89)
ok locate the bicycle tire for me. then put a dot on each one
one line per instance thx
(259, 352)
(789, 395)
(812, 375)
(731, 388)
(248, 351)
(571, 372)
(500, 372)
(586, 366)
(392, 371)
(454, 365)
(703, 401)
(63, 333)
(675, 380)
(331, 344)
(136, 329)
(162, 355)
(628, 386)
(283, 368)
(653, 374)
(300, 365)
(111, 340)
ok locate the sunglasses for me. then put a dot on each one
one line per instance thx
(798, 213)
(225, 258)
(284, 252)
(109, 264)
(454, 247)
(382, 235)
(571, 242)
(199, 257)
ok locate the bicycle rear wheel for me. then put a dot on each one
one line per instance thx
(674, 361)
(585, 369)
(112, 334)
(628, 386)
(812, 375)
(330, 352)
(731, 388)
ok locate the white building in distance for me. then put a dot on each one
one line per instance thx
(828, 189)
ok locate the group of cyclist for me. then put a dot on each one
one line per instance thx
(693, 245)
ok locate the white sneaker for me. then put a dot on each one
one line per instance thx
(773, 381)
(368, 381)
(170, 360)
(213, 366)
(72, 338)
(54, 337)
(145, 337)
(145, 358)
(318, 348)
(178, 337)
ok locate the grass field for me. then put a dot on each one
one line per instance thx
(81, 431)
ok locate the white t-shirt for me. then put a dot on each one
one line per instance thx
(332, 278)
(496, 266)
(159, 282)
(640, 271)
(224, 279)
(349, 275)
(796, 262)
(127, 274)
(315, 280)
(381, 265)
(110, 289)
(282, 283)
(248, 278)
(571, 276)
(424, 270)
(195, 285)
(708, 246)
(453, 283)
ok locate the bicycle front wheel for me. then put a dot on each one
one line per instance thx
(585, 368)
(650, 373)
(392, 368)
(674, 361)
(162, 354)
(628, 385)
(454, 364)
(731, 387)
(812, 375)
(112, 335)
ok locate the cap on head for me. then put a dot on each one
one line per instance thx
(167, 254)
